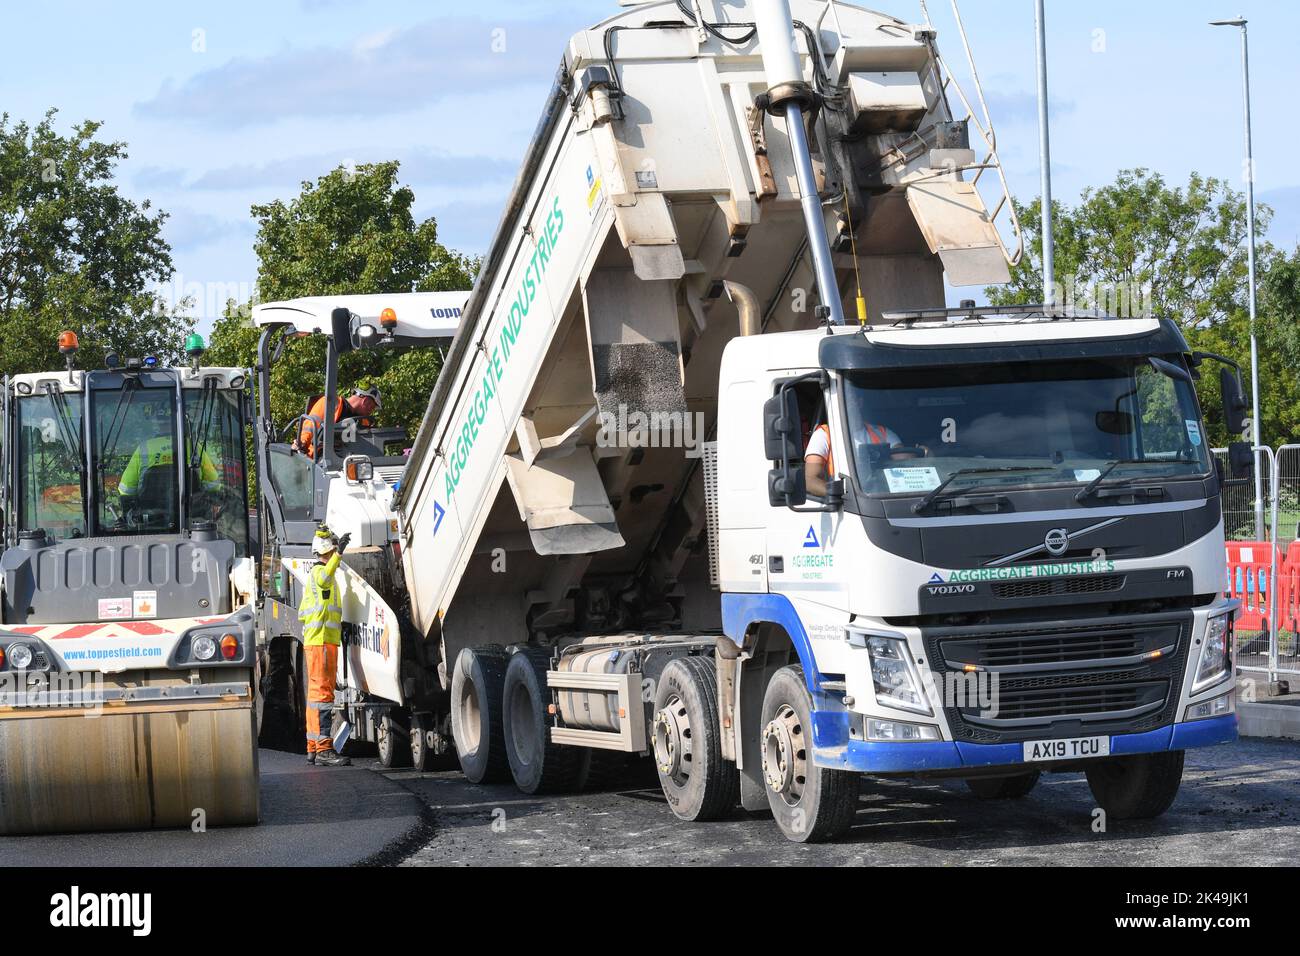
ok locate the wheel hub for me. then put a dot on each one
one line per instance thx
(785, 760)
(672, 740)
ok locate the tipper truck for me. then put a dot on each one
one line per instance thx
(666, 501)
(128, 588)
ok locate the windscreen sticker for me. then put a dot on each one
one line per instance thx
(144, 604)
(1086, 474)
(1193, 431)
(912, 479)
(111, 609)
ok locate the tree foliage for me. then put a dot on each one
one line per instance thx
(76, 254)
(1139, 246)
(350, 232)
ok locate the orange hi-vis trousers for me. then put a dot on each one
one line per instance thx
(322, 668)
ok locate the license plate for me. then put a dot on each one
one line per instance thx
(1069, 748)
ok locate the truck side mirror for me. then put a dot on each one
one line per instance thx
(1234, 402)
(781, 431)
(1241, 459)
(786, 486)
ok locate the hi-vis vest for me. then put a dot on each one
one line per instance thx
(876, 435)
(158, 452)
(321, 613)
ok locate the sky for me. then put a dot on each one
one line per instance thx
(223, 105)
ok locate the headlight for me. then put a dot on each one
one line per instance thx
(895, 679)
(900, 731)
(204, 648)
(1216, 653)
(20, 657)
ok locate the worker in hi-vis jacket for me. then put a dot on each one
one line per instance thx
(321, 614)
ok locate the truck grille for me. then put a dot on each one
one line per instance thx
(1037, 588)
(1063, 645)
(1061, 678)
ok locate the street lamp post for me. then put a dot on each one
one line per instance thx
(1045, 161)
(1240, 22)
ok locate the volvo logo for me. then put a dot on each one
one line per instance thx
(1057, 542)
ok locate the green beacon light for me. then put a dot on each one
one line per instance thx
(194, 348)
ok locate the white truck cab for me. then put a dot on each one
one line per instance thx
(1028, 574)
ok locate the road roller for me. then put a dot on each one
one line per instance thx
(128, 655)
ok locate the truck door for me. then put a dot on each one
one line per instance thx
(801, 543)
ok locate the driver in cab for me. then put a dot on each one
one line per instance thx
(819, 459)
(362, 404)
(159, 452)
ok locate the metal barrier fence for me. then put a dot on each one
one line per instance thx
(1264, 560)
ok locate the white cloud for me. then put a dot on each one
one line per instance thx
(386, 73)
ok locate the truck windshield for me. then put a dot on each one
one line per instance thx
(50, 465)
(1023, 425)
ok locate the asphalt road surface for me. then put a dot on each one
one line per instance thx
(311, 816)
(1240, 804)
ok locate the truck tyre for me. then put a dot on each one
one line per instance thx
(536, 764)
(390, 739)
(810, 804)
(686, 740)
(476, 715)
(1136, 787)
(1003, 788)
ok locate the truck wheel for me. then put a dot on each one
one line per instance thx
(476, 715)
(390, 738)
(1003, 788)
(686, 738)
(810, 804)
(1136, 787)
(537, 764)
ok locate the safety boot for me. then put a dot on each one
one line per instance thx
(332, 758)
(311, 757)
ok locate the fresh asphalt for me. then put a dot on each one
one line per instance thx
(1238, 805)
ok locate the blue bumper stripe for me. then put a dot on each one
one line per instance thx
(884, 757)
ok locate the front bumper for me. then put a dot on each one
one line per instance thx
(919, 757)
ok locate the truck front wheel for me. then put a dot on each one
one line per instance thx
(810, 804)
(477, 723)
(1136, 787)
(686, 737)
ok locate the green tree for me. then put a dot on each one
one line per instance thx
(76, 254)
(1140, 246)
(350, 232)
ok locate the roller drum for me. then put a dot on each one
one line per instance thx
(130, 767)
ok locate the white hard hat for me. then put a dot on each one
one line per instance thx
(322, 544)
